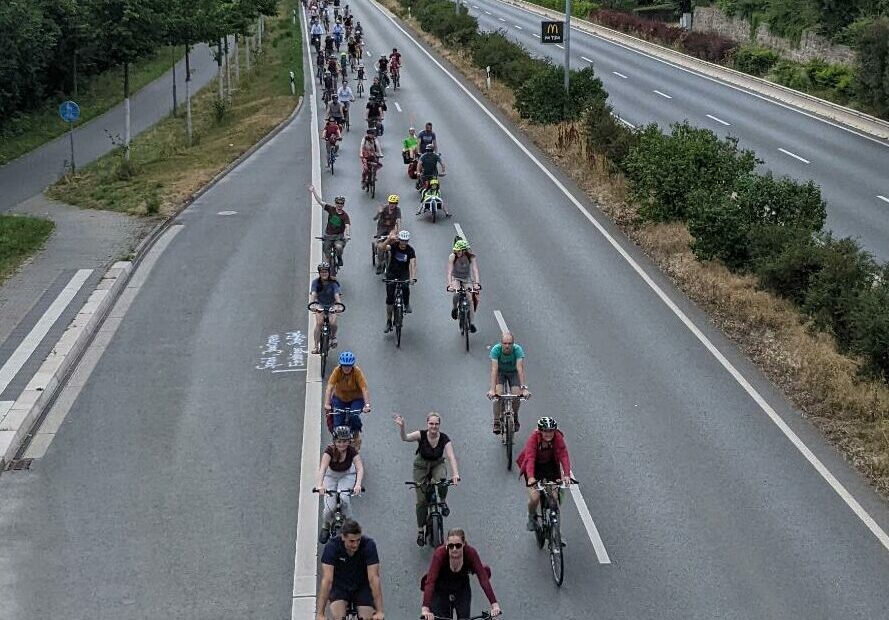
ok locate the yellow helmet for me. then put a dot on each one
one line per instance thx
(393, 199)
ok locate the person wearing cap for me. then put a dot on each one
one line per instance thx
(463, 270)
(544, 457)
(324, 291)
(370, 149)
(341, 469)
(337, 232)
(388, 220)
(430, 165)
(347, 390)
(402, 266)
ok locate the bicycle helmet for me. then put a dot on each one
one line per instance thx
(547, 424)
(433, 182)
(393, 199)
(340, 200)
(430, 147)
(461, 244)
(323, 267)
(404, 235)
(347, 358)
(342, 432)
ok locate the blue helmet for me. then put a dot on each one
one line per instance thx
(347, 358)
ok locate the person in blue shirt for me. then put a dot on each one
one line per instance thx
(317, 31)
(507, 366)
(350, 573)
(337, 32)
(325, 291)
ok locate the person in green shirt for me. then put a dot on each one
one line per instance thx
(410, 148)
(507, 366)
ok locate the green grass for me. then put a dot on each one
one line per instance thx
(25, 132)
(20, 238)
(163, 170)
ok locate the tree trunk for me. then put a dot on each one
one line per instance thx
(175, 103)
(237, 57)
(228, 72)
(126, 109)
(259, 33)
(247, 51)
(219, 68)
(188, 129)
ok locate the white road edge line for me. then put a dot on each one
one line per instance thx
(795, 156)
(305, 557)
(883, 198)
(719, 120)
(585, 516)
(397, 107)
(620, 75)
(715, 80)
(766, 408)
(664, 95)
(30, 343)
(586, 59)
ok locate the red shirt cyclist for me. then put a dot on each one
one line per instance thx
(544, 457)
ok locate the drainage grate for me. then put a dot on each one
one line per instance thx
(18, 464)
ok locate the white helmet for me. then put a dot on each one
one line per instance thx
(404, 235)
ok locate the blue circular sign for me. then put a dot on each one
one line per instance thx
(69, 111)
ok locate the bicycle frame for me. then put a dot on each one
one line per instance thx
(324, 341)
(434, 515)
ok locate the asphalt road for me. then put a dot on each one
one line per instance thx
(170, 488)
(852, 170)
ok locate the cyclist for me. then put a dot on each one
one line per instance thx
(317, 32)
(325, 291)
(395, 59)
(427, 137)
(341, 469)
(337, 232)
(429, 464)
(373, 114)
(409, 148)
(337, 32)
(463, 269)
(360, 76)
(428, 166)
(350, 573)
(344, 64)
(376, 92)
(358, 29)
(383, 70)
(369, 149)
(336, 111)
(507, 364)
(331, 134)
(352, 49)
(544, 457)
(432, 194)
(402, 266)
(329, 85)
(328, 44)
(388, 220)
(446, 583)
(347, 389)
(345, 96)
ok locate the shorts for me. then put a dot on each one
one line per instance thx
(546, 471)
(511, 377)
(361, 597)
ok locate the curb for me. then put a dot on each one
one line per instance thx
(17, 424)
(813, 105)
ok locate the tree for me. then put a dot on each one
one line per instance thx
(873, 66)
(26, 39)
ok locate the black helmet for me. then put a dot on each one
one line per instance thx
(547, 424)
(323, 267)
(342, 432)
(430, 147)
(340, 200)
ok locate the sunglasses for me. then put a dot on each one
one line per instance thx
(452, 546)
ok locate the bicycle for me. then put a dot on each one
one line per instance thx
(508, 421)
(359, 88)
(338, 516)
(346, 116)
(332, 150)
(379, 258)
(398, 310)
(324, 341)
(434, 515)
(372, 166)
(395, 75)
(463, 308)
(334, 258)
(547, 529)
(346, 421)
(485, 615)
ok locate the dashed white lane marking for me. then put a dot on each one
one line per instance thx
(620, 75)
(587, 59)
(227, 213)
(883, 198)
(499, 316)
(488, 13)
(853, 504)
(397, 107)
(501, 19)
(664, 95)
(795, 156)
(459, 230)
(475, 7)
(560, 46)
(719, 120)
(27, 346)
(516, 26)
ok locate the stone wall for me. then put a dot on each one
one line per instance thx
(711, 19)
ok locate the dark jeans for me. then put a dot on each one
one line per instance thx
(444, 607)
(390, 293)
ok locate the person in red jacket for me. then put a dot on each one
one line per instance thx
(544, 457)
(446, 584)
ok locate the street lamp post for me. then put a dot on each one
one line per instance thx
(567, 42)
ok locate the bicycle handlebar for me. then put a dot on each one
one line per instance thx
(485, 615)
(338, 411)
(451, 289)
(335, 308)
(444, 482)
(543, 485)
(409, 282)
(510, 397)
(332, 492)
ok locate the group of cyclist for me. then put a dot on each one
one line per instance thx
(350, 564)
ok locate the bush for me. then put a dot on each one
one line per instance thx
(664, 171)
(605, 135)
(788, 271)
(839, 79)
(437, 17)
(542, 99)
(720, 229)
(754, 60)
(639, 26)
(707, 46)
(509, 61)
(870, 326)
(873, 67)
(790, 74)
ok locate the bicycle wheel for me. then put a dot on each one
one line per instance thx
(434, 211)
(464, 324)
(331, 161)
(397, 321)
(540, 532)
(556, 557)
(332, 261)
(373, 254)
(509, 431)
(435, 531)
(324, 348)
(373, 183)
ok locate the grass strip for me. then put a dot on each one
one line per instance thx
(851, 411)
(98, 94)
(163, 171)
(20, 238)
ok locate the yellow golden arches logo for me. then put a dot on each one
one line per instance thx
(553, 28)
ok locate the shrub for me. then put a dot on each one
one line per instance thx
(873, 67)
(782, 202)
(542, 99)
(438, 18)
(790, 74)
(707, 46)
(509, 61)
(789, 270)
(837, 78)
(641, 27)
(720, 229)
(870, 326)
(754, 60)
(664, 171)
(605, 135)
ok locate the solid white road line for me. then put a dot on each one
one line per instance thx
(664, 95)
(883, 198)
(764, 406)
(718, 120)
(586, 59)
(795, 156)
(305, 561)
(620, 75)
(459, 230)
(625, 122)
(27, 346)
(397, 107)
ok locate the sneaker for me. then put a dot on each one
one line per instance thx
(421, 538)
(447, 215)
(516, 425)
(379, 269)
(388, 327)
(333, 343)
(316, 350)
(497, 427)
(445, 510)
(324, 535)
(454, 314)
(532, 523)
(407, 309)
(473, 328)
(339, 261)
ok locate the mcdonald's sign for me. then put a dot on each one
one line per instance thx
(551, 32)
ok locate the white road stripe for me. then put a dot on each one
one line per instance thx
(499, 316)
(560, 46)
(764, 406)
(459, 230)
(883, 198)
(795, 156)
(397, 107)
(517, 26)
(620, 75)
(501, 19)
(27, 346)
(475, 7)
(586, 59)
(487, 12)
(664, 95)
(719, 120)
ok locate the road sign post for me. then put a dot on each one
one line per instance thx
(567, 43)
(558, 33)
(70, 112)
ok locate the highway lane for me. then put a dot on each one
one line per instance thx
(852, 170)
(169, 491)
(705, 509)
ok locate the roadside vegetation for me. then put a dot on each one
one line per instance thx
(811, 310)
(20, 238)
(176, 157)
